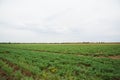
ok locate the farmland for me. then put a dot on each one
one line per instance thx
(59, 61)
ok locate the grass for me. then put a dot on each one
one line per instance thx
(61, 61)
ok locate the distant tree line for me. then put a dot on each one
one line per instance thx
(61, 43)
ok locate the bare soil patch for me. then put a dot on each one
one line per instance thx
(114, 57)
(4, 75)
(111, 57)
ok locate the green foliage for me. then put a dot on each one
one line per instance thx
(62, 62)
(81, 49)
(6, 68)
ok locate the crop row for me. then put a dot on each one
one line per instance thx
(11, 72)
(52, 66)
(87, 49)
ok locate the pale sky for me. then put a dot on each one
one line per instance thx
(59, 20)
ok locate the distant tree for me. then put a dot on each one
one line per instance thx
(9, 42)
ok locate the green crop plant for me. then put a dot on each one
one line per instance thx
(63, 61)
(6, 67)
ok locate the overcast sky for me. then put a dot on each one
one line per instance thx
(59, 20)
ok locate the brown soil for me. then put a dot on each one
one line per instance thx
(16, 68)
(4, 75)
(111, 57)
(114, 57)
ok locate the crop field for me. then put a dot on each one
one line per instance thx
(59, 61)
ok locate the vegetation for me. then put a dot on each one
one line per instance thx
(60, 61)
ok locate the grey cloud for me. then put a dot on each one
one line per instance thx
(73, 20)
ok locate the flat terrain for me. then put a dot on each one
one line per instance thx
(59, 61)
